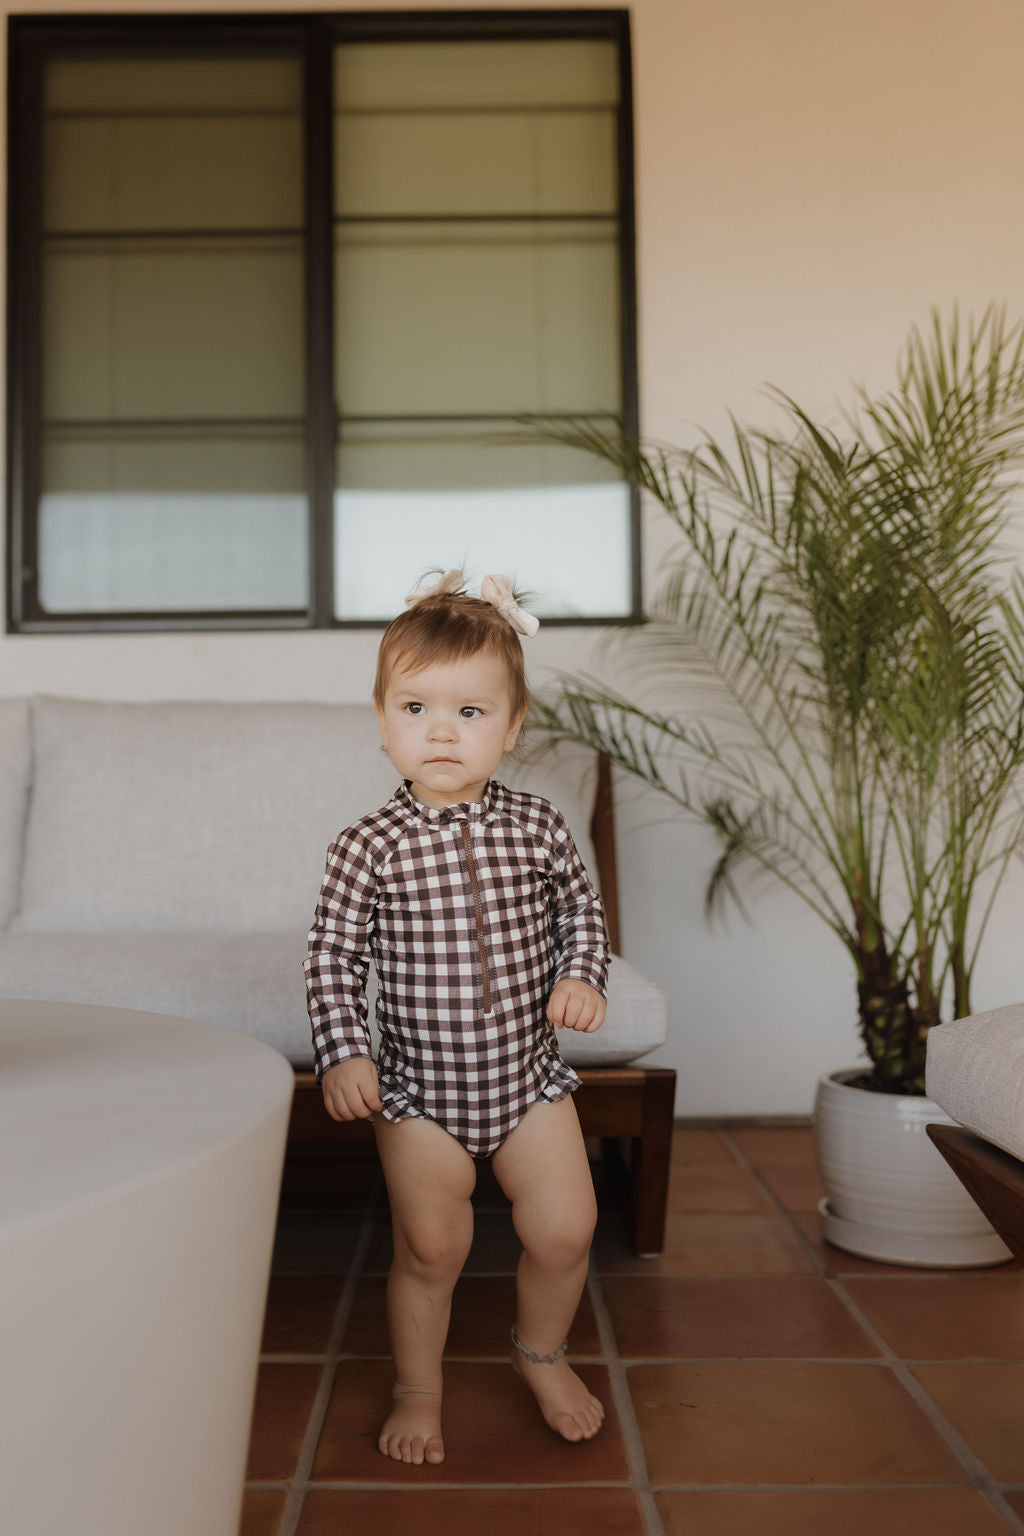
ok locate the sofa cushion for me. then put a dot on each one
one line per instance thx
(14, 781)
(254, 983)
(206, 817)
(975, 1072)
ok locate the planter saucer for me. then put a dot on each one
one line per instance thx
(932, 1251)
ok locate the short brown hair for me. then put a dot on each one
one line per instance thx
(449, 626)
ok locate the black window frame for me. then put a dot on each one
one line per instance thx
(313, 35)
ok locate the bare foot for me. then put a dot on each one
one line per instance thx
(567, 1406)
(412, 1430)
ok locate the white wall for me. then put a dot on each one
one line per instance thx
(812, 175)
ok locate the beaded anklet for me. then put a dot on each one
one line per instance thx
(539, 1359)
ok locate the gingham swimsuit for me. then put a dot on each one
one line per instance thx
(471, 913)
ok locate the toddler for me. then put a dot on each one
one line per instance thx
(485, 932)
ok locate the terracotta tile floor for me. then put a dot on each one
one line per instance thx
(757, 1380)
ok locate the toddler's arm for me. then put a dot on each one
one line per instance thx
(350, 1089)
(575, 1005)
(337, 954)
(581, 941)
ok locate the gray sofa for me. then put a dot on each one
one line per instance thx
(168, 856)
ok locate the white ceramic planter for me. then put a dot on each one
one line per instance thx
(891, 1195)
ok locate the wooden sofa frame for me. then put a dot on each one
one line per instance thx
(629, 1109)
(993, 1178)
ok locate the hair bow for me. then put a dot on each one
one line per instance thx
(451, 581)
(498, 591)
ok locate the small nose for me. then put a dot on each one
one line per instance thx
(441, 729)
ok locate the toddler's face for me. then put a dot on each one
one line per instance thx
(447, 726)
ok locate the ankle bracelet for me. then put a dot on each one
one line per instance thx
(539, 1359)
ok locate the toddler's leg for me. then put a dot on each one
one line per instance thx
(430, 1178)
(543, 1169)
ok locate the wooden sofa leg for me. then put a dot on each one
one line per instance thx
(649, 1163)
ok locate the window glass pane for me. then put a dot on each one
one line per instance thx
(473, 163)
(149, 522)
(473, 317)
(183, 329)
(177, 143)
(549, 517)
(129, 173)
(172, 363)
(173, 80)
(400, 76)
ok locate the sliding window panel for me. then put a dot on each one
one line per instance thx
(553, 519)
(477, 282)
(172, 359)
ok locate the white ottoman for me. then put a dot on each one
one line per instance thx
(141, 1159)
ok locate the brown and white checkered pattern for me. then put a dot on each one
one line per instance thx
(398, 888)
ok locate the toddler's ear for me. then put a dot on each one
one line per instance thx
(512, 735)
(383, 726)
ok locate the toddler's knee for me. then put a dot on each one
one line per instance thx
(431, 1255)
(580, 1234)
(566, 1243)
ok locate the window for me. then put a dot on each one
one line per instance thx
(284, 296)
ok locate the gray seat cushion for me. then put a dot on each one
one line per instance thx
(253, 983)
(975, 1072)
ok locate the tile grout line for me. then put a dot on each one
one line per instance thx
(299, 1482)
(641, 1481)
(981, 1480)
(750, 1168)
(431, 1490)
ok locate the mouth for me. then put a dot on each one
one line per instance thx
(442, 759)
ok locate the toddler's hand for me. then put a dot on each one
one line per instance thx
(575, 1005)
(350, 1089)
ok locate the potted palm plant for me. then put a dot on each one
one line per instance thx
(848, 597)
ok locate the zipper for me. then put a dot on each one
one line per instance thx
(479, 907)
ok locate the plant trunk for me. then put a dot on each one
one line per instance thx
(961, 982)
(894, 1033)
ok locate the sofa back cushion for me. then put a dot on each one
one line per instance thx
(14, 777)
(208, 817)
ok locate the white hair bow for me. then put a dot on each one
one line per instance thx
(498, 590)
(451, 581)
